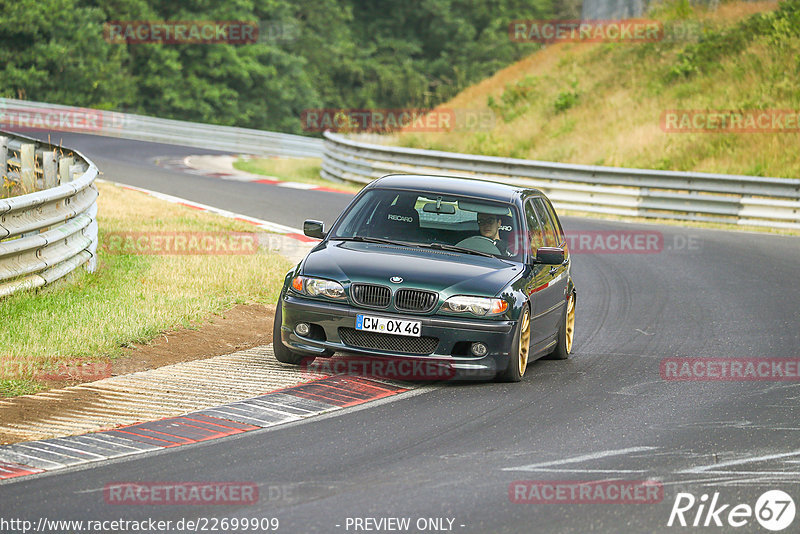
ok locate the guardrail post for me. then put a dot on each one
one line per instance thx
(63, 169)
(50, 170)
(27, 158)
(3, 156)
(75, 171)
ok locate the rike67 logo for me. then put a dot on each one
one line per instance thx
(774, 510)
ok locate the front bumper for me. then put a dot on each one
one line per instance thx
(453, 334)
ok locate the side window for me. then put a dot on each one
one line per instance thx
(550, 239)
(534, 227)
(557, 224)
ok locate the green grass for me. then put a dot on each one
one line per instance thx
(303, 170)
(131, 298)
(13, 388)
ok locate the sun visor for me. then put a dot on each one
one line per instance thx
(493, 209)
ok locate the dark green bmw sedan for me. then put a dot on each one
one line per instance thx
(470, 274)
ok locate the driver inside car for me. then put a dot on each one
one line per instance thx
(489, 226)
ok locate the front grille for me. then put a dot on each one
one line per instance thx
(415, 300)
(370, 295)
(388, 342)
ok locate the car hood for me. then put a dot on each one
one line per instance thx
(450, 273)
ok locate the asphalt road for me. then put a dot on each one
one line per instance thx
(137, 163)
(451, 451)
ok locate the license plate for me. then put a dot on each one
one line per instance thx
(398, 327)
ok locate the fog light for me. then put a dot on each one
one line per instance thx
(302, 329)
(478, 349)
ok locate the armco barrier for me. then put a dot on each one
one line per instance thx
(743, 200)
(20, 115)
(50, 230)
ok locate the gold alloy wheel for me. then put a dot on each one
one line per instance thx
(524, 342)
(570, 323)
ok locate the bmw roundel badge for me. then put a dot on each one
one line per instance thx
(395, 279)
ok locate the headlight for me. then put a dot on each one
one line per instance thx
(317, 287)
(475, 305)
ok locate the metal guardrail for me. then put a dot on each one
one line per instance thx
(51, 230)
(743, 200)
(21, 114)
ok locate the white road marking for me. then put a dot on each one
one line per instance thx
(297, 185)
(78, 451)
(770, 473)
(728, 480)
(557, 470)
(715, 468)
(581, 458)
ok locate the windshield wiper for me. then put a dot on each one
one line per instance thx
(365, 239)
(453, 248)
(439, 246)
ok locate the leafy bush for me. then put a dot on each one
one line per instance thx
(516, 98)
(566, 99)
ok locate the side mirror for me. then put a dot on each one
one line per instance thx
(550, 255)
(314, 229)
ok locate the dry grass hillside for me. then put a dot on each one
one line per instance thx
(602, 103)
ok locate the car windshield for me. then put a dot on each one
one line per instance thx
(424, 219)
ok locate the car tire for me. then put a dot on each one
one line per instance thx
(520, 350)
(282, 353)
(566, 332)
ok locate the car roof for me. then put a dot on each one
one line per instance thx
(451, 185)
